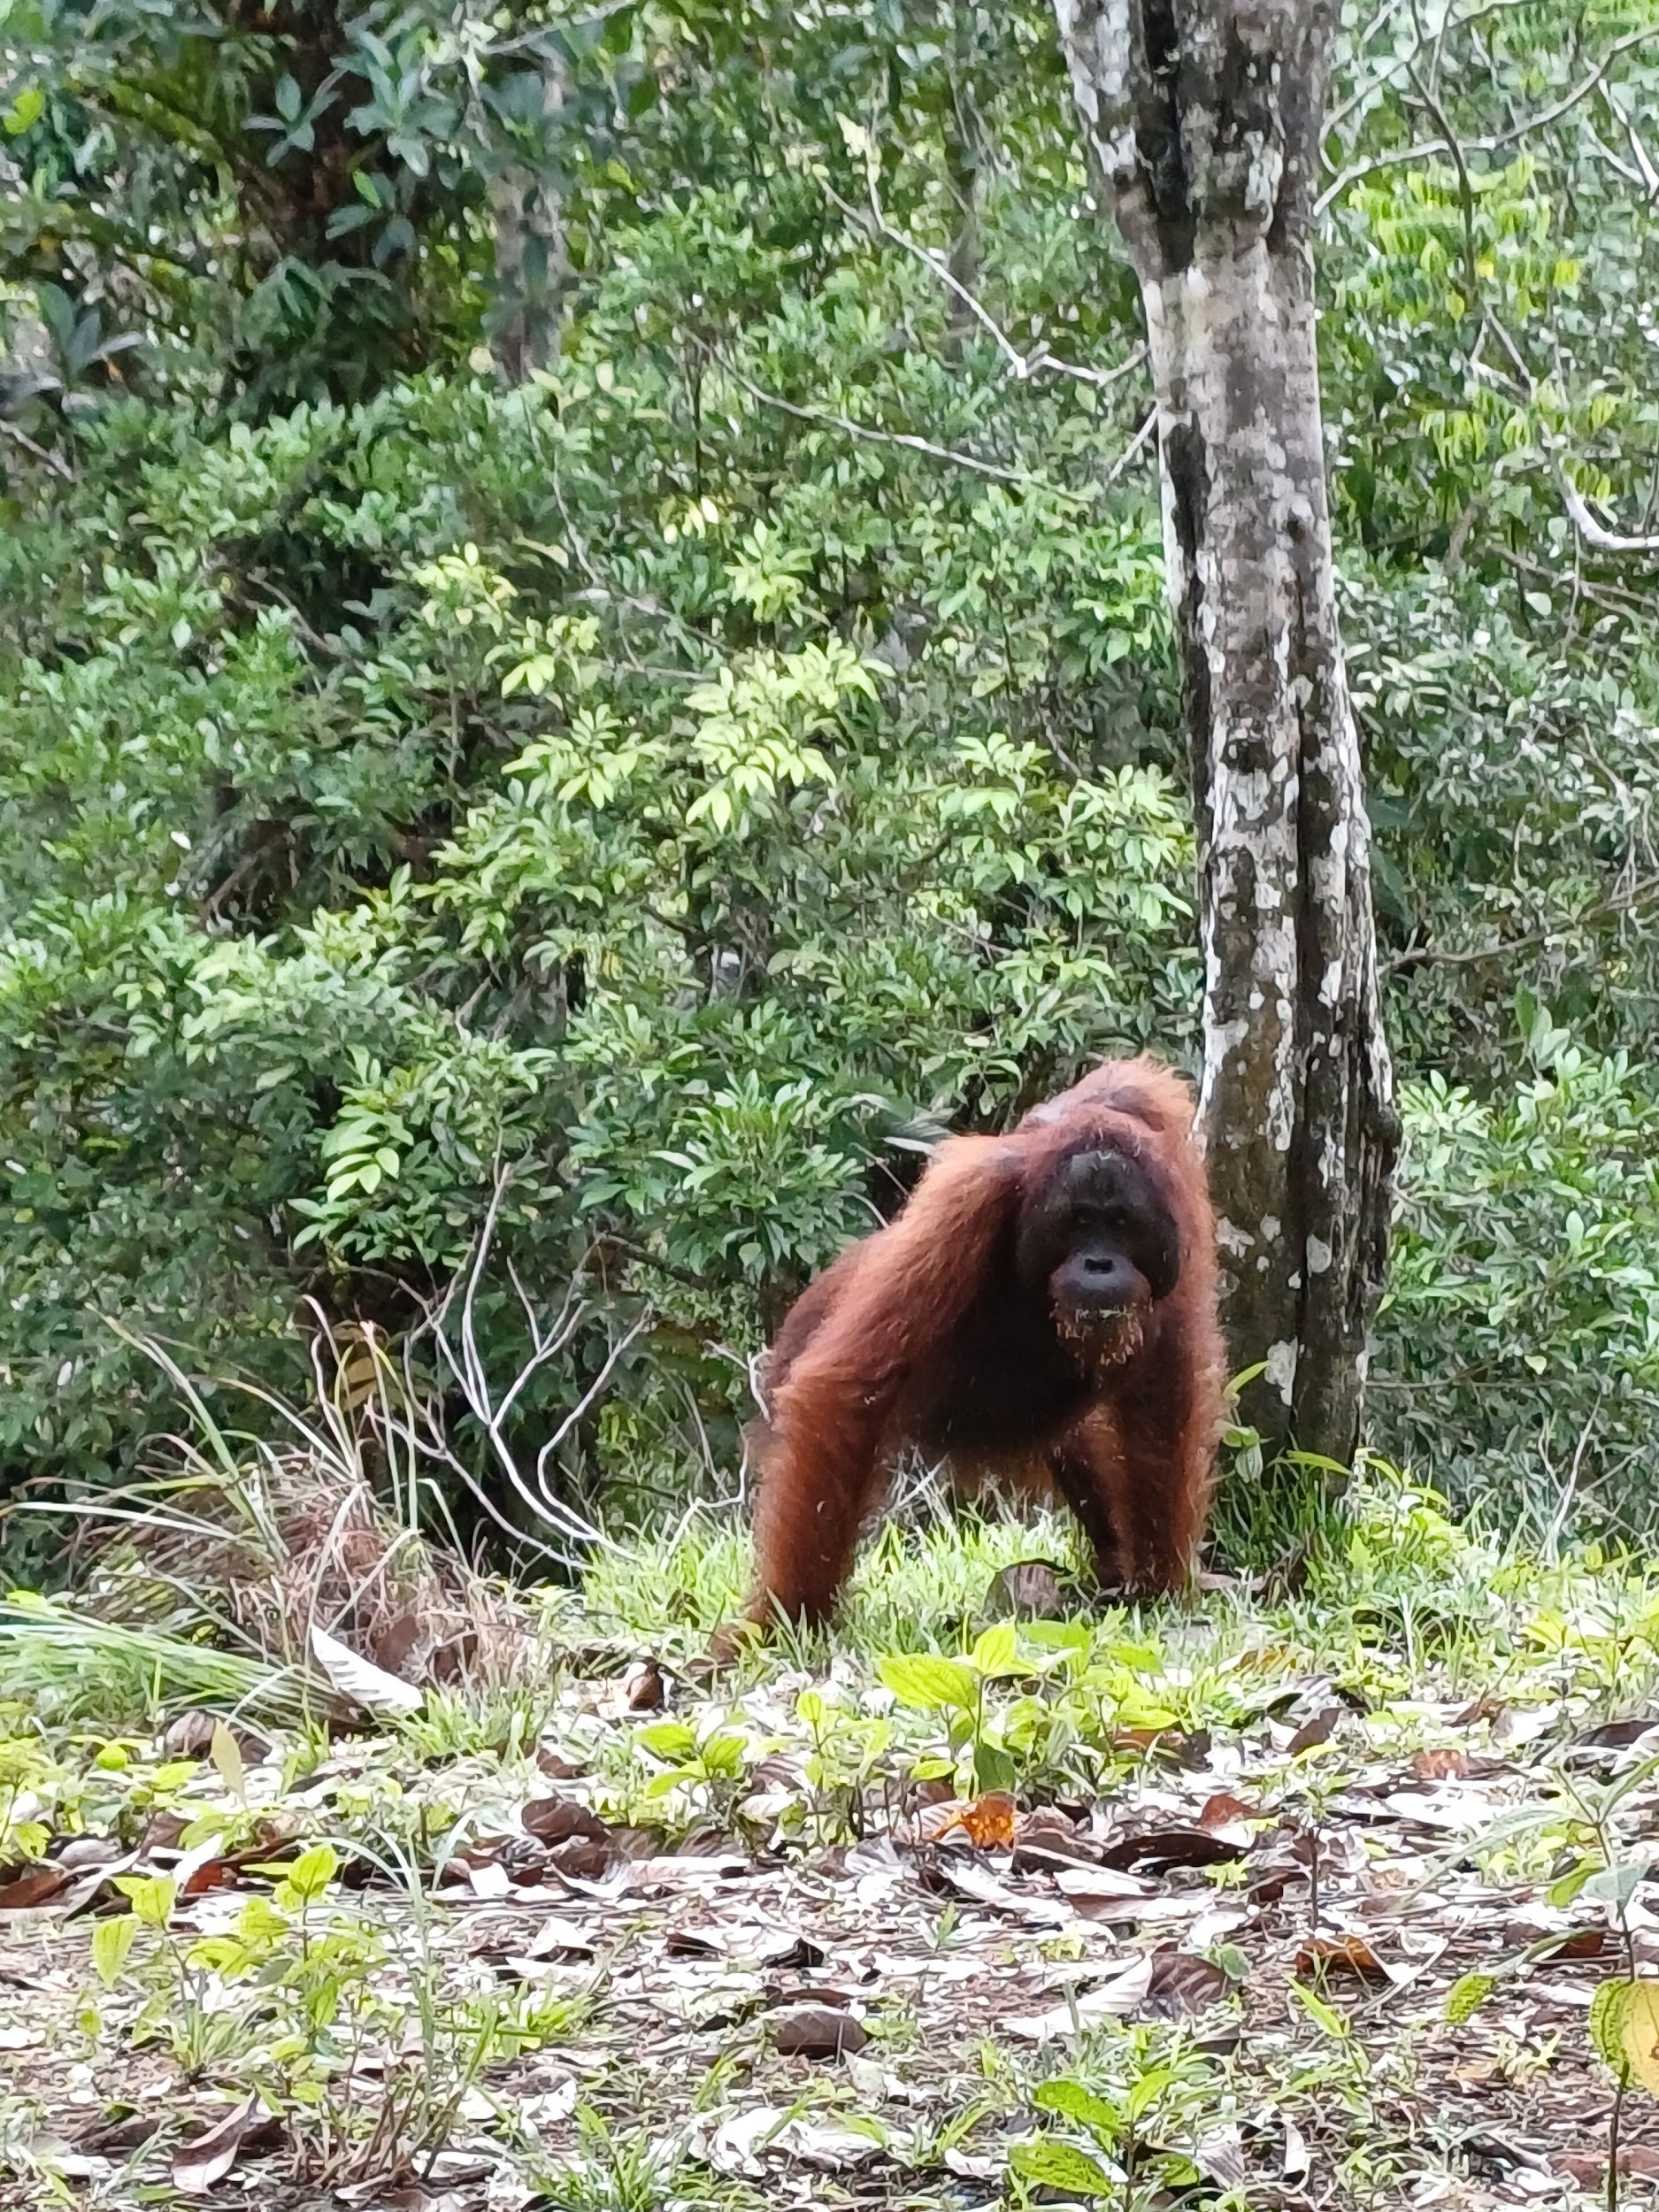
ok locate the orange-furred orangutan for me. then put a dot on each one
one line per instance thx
(1044, 1308)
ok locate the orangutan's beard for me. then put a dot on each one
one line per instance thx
(1101, 1341)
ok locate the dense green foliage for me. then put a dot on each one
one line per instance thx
(675, 782)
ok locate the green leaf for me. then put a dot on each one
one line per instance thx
(668, 1740)
(151, 1896)
(1072, 2102)
(1606, 2026)
(111, 1940)
(1466, 1996)
(1617, 1884)
(927, 1683)
(27, 109)
(310, 1874)
(1325, 2016)
(1572, 1881)
(992, 1768)
(225, 1755)
(1624, 2029)
(1052, 2165)
(996, 1652)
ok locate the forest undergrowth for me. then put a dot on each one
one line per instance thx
(367, 1883)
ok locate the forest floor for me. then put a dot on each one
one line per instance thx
(1277, 1899)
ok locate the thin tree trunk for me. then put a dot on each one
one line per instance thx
(1202, 119)
(965, 159)
(528, 208)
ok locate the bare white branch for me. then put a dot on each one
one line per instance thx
(1594, 533)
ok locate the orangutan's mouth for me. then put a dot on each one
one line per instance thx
(1101, 1340)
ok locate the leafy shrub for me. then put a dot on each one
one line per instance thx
(1518, 1351)
(611, 838)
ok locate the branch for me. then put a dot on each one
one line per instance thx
(1611, 598)
(55, 462)
(831, 419)
(1567, 100)
(1379, 82)
(1148, 427)
(1465, 189)
(1447, 143)
(1639, 896)
(1021, 366)
(1594, 533)
(466, 1364)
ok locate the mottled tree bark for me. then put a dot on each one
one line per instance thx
(1202, 119)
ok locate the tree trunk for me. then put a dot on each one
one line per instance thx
(965, 161)
(528, 207)
(1203, 118)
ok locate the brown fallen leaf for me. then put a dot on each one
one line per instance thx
(557, 1938)
(1585, 1943)
(82, 1853)
(116, 2138)
(1110, 2001)
(1439, 1764)
(974, 1879)
(1348, 1958)
(359, 1681)
(1268, 1887)
(729, 1642)
(634, 1843)
(1222, 1809)
(1615, 1735)
(1102, 1892)
(775, 1772)
(580, 1856)
(162, 1832)
(1298, 2159)
(1219, 2156)
(817, 2030)
(556, 1767)
(32, 1884)
(417, 2198)
(790, 1955)
(1588, 2168)
(707, 1840)
(929, 1822)
(208, 2157)
(402, 1646)
(1484, 1708)
(1045, 1838)
(555, 1820)
(739, 2144)
(1314, 1732)
(210, 1874)
(644, 1688)
(1156, 1849)
(687, 1943)
(1182, 1984)
(454, 1658)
